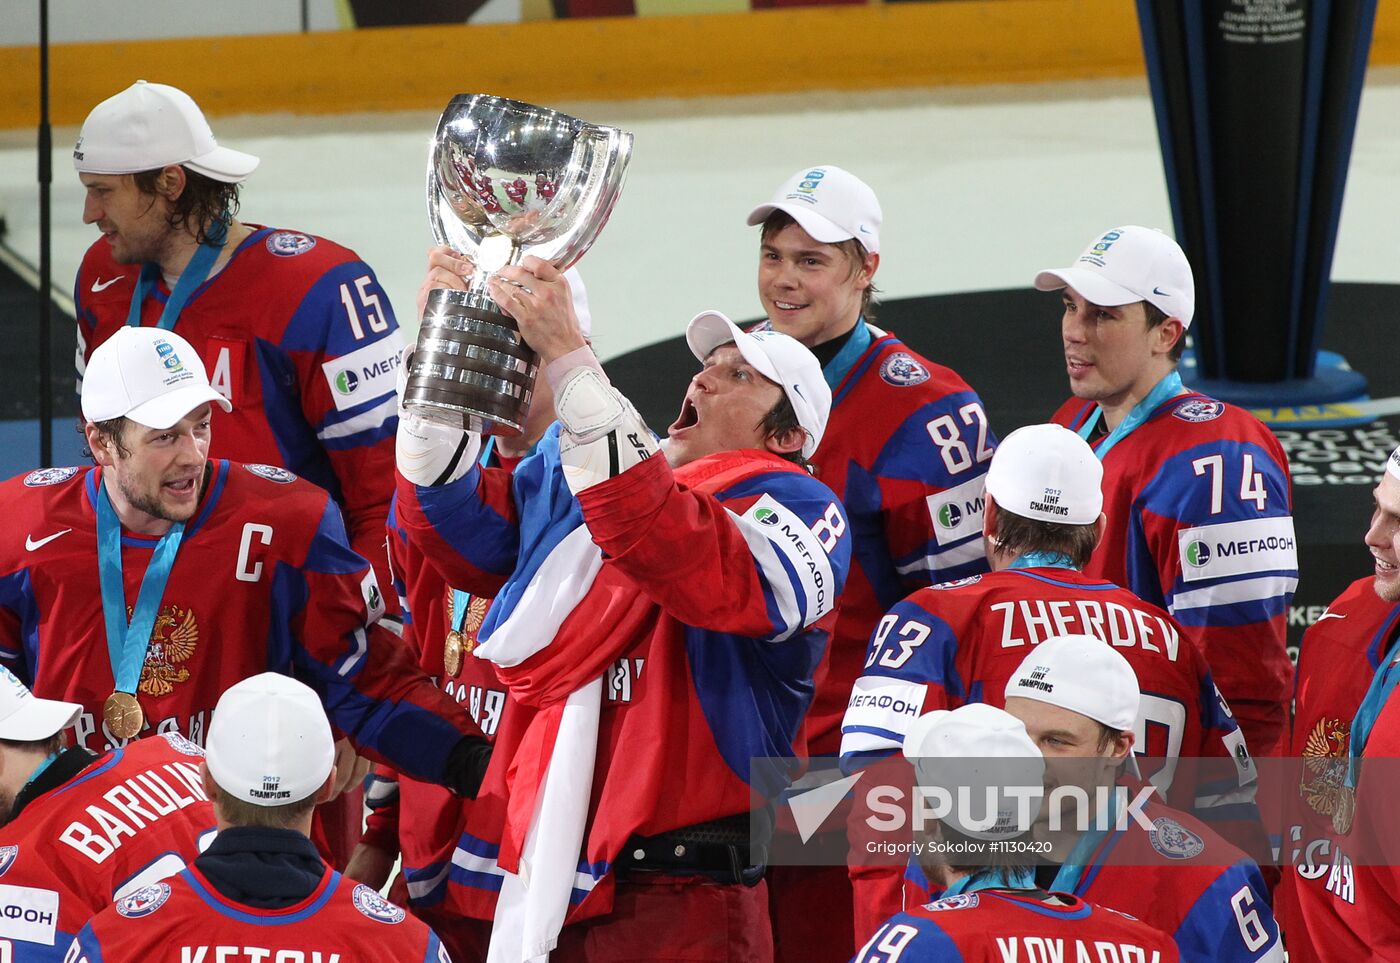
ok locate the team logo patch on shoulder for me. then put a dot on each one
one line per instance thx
(376, 907)
(958, 582)
(272, 473)
(289, 243)
(49, 476)
(1174, 840)
(901, 370)
(961, 901)
(8, 854)
(1199, 410)
(143, 902)
(180, 744)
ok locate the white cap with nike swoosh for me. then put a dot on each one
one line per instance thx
(1126, 265)
(830, 204)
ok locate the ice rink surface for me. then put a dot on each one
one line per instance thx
(981, 186)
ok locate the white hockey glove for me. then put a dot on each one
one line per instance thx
(428, 453)
(603, 435)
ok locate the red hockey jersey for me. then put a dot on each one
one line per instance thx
(906, 450)
(958, 643)
(997, 926)
(133, 817)
(264, 581)
(1339, 657)
(706, 619)
(1199, 522)
(298, 334)
(185, 920)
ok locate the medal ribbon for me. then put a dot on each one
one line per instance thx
(461, 601)
(1020, 877)
(194, 274)
(127, 643)
(1382, 684)
(1168, 387)
(1043, 560)
(1070, 874)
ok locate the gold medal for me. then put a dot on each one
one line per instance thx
(1345, 812)
(122, 714)
(452, 653)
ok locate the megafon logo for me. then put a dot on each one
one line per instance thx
(766, 516)
(1197, 554)
(346, 382)
(949, 516)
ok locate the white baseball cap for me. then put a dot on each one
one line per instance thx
(779, 358)
(1129, 264)
(269, 742)
(149, 375)
(828, 203)
(149, 126)
(1082, 674)
(982, 748)
(1048, 473)
(24, 717)
(1392, 465)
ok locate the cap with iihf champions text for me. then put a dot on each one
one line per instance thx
(269, 741)
(1082, 674)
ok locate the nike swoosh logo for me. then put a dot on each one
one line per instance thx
(1330, 615)
(101, 285)
(31, 544)
(1161, 292)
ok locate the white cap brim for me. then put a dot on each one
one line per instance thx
(38, 719)
(1095, 288)
(709, 330)
(162, 412)
(224, 164)
(820, 228)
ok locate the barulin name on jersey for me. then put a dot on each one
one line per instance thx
(135, 802)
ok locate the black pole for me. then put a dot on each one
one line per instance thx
(305, 16)
(45, 262)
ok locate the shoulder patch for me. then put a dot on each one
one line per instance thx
(961, 901)
(180, 744)
(272, 473)
(958, 582)
(289, 243)
(49, 476)
(143, 902)
(1174, 840)
(376, 907)
(901, 370)
(8, 854)
(1199, 409)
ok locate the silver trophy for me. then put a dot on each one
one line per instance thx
(505, 179)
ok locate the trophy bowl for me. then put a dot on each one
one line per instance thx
(505, 179)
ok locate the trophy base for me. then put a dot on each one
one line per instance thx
(471, 369)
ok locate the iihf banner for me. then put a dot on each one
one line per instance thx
(1256, 105)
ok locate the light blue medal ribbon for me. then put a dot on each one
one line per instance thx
(1072, 872)
(1018, 878)
(194, 274)
(1043, 560)
(838, 367)
(461, 601)
(1382, 684)
(1168, 387)
(127, 643)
